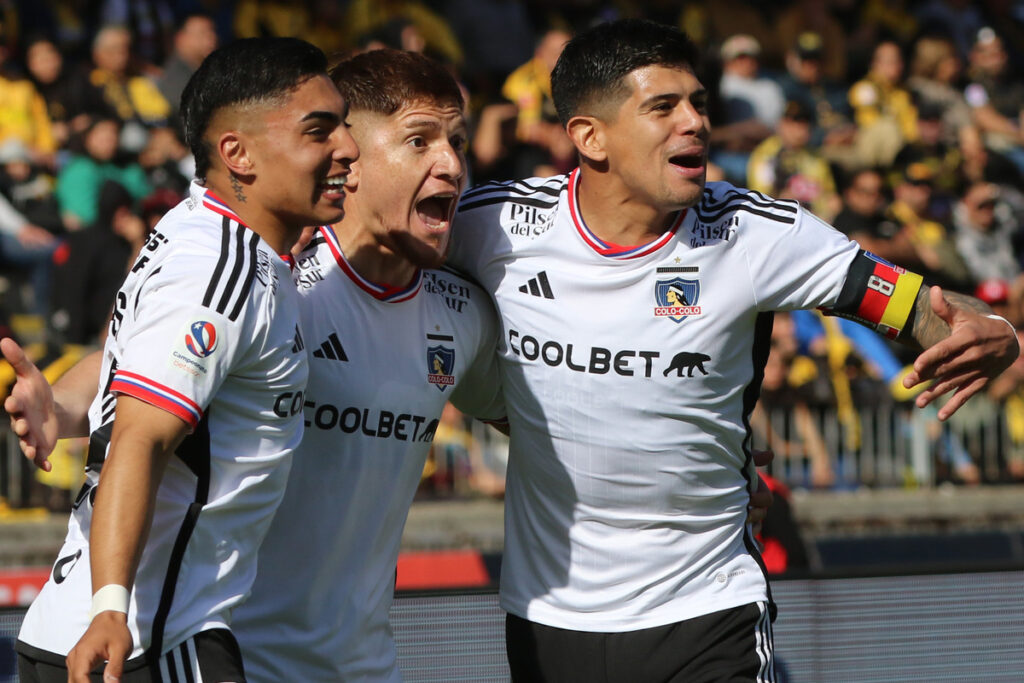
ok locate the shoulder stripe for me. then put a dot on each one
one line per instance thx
(738, 207)
(250, 275)
(709, 203)
(236, 271)
(502, 199)
(225, 237)
(551, 186)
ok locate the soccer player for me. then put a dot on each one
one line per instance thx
(626, 554)
(202, 378)
(392, 337)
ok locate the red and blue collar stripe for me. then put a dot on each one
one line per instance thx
(217, 205)
(609, 249)
(386, 293)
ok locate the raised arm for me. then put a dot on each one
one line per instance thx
(40, 414)
(964, 348)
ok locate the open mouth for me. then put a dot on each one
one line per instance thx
(690, 159)
(334, 186)
(436, 211)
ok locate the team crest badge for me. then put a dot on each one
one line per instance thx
(676, 298)
(201, 340)
(440, 366)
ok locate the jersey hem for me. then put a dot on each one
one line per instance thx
(668, 614)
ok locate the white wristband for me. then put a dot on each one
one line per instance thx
(110, 598)
(999, 317)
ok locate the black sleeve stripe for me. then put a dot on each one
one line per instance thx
(753, 196)
(236, 270)
(225, 243)
(707, 218)
(502, 199)
(514, 186)
(250, 275)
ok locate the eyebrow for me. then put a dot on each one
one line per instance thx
(329, 115)
(673, 97)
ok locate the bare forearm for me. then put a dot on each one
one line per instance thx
(925, 328)
(73, 393)
(141, 444)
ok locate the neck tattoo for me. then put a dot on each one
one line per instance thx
(237, 187)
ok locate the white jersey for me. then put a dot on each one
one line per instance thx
(383, 362)
(629, 374)
(206, 328)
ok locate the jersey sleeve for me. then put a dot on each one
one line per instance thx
(175, 352)
(802, 264)
(479, 393)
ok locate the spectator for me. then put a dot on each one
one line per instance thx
(814, 16)
(166, 162)
(958, 19)
(364, 16)
(751, 106)
(985, 231)
(46, 69)
(786, 166)
(882, 108)
(863, 218)
(996, 97)
(23, 115)
(114, 87)
(28, 188)
(26, 247)
(935, 72)
(78, 183)
(944, 160)
(710, 22)
(92, 264)
(934, 254)
(194, 39)
(805, 82)
(529, 88)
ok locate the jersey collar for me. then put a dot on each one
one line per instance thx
(610, 249)
(385, 293)
(217, 205)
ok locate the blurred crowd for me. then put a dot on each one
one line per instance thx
(901, 122)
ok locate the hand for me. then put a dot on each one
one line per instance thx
(304, 239)
(762, 498)
(107, 639)
(977, 349)
(30, 406)
(34, 236)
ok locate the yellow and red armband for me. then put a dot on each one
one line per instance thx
(878, 294)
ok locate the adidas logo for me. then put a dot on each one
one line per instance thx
(538, 286)
(331, 349)
(298, 345)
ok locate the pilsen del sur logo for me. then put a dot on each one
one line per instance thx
(676, 298)
(441, 362)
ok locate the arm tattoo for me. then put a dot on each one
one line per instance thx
(237, 187)
(925, 328)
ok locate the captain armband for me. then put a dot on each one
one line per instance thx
(878, 294)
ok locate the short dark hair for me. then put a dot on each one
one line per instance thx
(384, 81)
(244, 72)
(594, 63)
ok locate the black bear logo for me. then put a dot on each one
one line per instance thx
(686, 360)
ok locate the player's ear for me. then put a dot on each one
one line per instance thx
(234, 153)
(588, 134)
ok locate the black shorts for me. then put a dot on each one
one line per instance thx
(731, 646)
(210, 656)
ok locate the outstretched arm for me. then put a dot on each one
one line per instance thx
(40, 414)
(963, 347)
